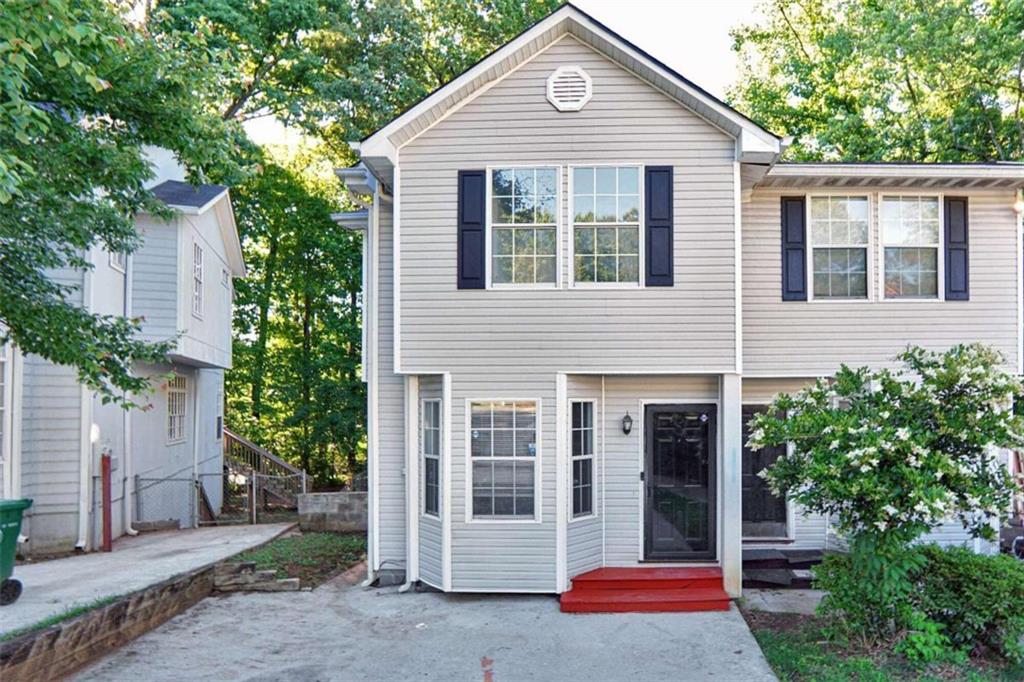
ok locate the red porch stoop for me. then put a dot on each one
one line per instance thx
(650, 590)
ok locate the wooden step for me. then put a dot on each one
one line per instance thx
(648, 578)
(645, 601)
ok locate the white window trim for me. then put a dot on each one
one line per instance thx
(198, 292)
(112, 261)
(557, 284)
(869, 248)
(538, 499)
(184, 409)
(592, 457)
(571, 222)
(220, 416)
(424, 457)
(940, 259)
(225, 278)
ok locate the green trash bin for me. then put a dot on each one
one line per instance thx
(10, 529)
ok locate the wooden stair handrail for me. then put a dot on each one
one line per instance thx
(262, 452)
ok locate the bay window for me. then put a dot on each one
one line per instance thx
(503, 451)
(839, 246)
(606, 224)
(911, 237)
(524, 226)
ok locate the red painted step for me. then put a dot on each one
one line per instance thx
(645, 601)
(646, 589)
(648, 578)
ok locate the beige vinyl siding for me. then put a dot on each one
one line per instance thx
(689, 327)
(504, 556)
(623, 527)
(813, 338)
(391, 409)
(431, 536)
(585, 536)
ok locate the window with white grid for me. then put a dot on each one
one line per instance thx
(582, 459)
(118, 260)
(911, 235)
(606, 224)
(197, 280)
(503, 448)
(177, 401)
(839, 246)
(430, 445)
(524, 225)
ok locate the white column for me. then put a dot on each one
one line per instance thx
(731, 478)
(562, 484)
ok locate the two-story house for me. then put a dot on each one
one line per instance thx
(583, 273)
(53, 431)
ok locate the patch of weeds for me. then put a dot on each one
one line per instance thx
(310, 557)
(72, 611)
(798, 650)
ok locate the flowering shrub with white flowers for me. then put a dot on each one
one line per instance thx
(889, 455)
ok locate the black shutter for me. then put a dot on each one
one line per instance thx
(957, 257)
(658, 225)
(472, 240)
(794, 249)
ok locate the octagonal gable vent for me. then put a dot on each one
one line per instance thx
(569, 88)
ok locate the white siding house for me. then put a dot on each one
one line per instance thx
(579, 279)
(53, 431)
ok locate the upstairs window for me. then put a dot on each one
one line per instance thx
(606, 224)
(197, 280)
(582, 459)
(430, 442)
(503, 450)
(524, 226)
(911, 236)
(118, 260)
(839, 247)
(177, 398)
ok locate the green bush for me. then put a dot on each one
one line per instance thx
(978, 599)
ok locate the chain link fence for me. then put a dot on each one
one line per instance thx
(166, 499)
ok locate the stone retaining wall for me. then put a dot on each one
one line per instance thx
(336, 512)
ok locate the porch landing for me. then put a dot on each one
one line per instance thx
(647, 589)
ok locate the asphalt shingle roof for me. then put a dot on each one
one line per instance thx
(177, 193)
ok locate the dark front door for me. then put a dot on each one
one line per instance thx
(679, 475)
(764, 514)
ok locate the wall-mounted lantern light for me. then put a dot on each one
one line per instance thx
(627, 424)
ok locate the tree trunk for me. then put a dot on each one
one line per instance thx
(259, 364)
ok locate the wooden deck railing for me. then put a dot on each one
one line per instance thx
(243, 453)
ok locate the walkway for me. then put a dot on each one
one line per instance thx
(53, 587)
(338, 632)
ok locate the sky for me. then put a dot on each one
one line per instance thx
(691, 36)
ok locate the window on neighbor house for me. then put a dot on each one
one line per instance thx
(524, 226)
(503, 449)
(197, 280)
(606, 224)
(582, 459)
(225, 278)
(177, 397)
(839, 246)
(219, 426)
(911, 236)
(430, 443)
(118, 260)
(4, 405)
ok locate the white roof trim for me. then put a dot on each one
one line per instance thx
(746, 131)
(964, 176)
(229, 233)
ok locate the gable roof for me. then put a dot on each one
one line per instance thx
(379, 150)
(186, 195)
(197, 200)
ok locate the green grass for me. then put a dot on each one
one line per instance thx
(798, 651)
(310, 557)
(71, 612)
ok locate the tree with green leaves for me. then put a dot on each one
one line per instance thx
(901, 80)
(890, 455)
(83, 90)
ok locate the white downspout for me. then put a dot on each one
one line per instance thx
(86, 438)
(195, 446)
(128, 465)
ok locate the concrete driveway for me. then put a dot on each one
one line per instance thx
(338, 632)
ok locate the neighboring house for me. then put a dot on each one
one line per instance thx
(584, 273)
(53, 431)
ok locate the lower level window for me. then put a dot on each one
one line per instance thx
(176, 403)
(503, 449)
(431, 448)
(582, 459)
